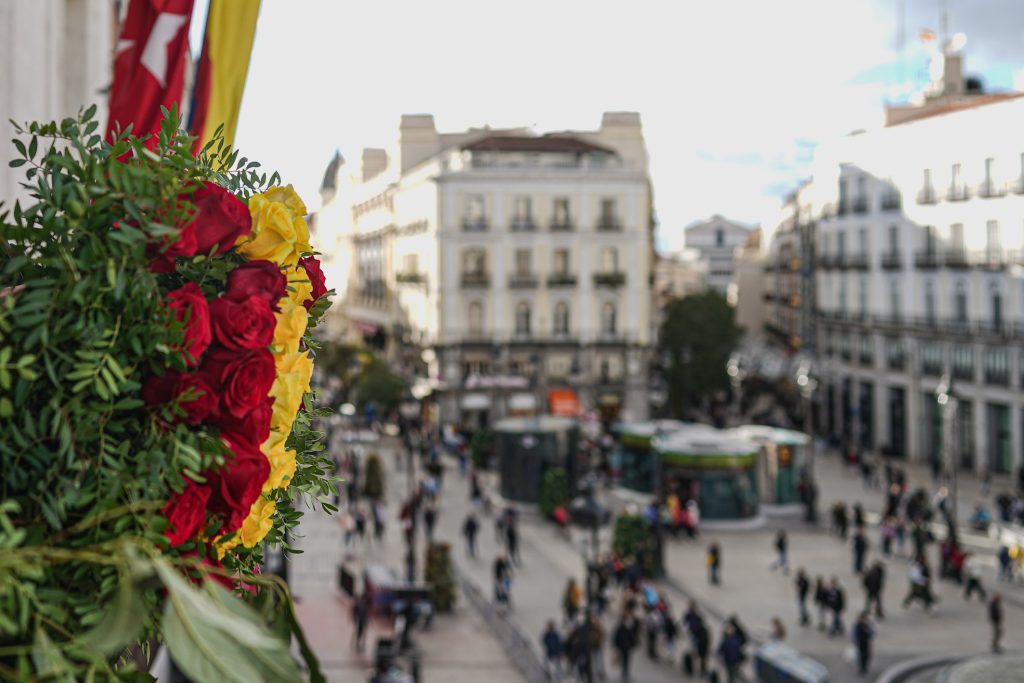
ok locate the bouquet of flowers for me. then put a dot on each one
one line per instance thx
(156, 354)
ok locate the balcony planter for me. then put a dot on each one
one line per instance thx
(410, 278)
(562, 280)
(476, 280)
(609, 279)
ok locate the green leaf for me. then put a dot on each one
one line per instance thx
(121, 623)
(48, 659)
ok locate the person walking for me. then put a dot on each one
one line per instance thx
(652, 631)
(571, 600)
(874, 583)
(920, 585)
(360, 523)
(860, 550)
(730, 651)
(700, 639)
(781, 544)
(836, 603)
(430, 520)
(863, 634)
(512, 538)
(624, 639)
(714, 562)
(597, 638)
(995, 619)
(360, 617)
(554, 651)
(821, 601)
(778, 630)
(469, 530)
(803, 587)
(502, 580)
(973, 565)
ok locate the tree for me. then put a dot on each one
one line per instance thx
(633, 537)
(378, 385)
(697, 337)
(481, 446)
(373, 478)
(554, 491)
(438, 572)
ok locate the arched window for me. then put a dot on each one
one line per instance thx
(608, 321)
(561, 318)
(523, 319)
(476, 318)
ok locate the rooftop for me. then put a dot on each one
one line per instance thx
(527, 143)
(909, 114)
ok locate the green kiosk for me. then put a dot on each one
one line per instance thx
(716, 468)
(632, 461)
(783, 454)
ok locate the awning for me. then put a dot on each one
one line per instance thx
(563, 402)
(476, 402)
(522, 402)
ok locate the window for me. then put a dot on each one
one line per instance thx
(894, 239)
(609, 217)
(931, 358)
(561, 261)
(474, 262)
(960, 302)
(862, 241)
(894, 299)
(996, 298)
(842, 195)
(894, 353)
(561, 318)
(929, 301)
(476, 318)
(866, 352)
(862, 297)
(410, 263)
(523, 261)
(474, 216)
(997, 365)
(610, 260)
(840, 244)
(523, 319)
(861, 187)
(956, 237)
(719, 237)
(608, 322)
(989, 163)
(522, 213)
(957, 181)
(963, 362)
(842, 295)
(561, 214)
(993, 248)
(929, 239)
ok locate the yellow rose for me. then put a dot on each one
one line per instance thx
(292, 381)
(279, 230)
(282, 462)
(291, 325)
(259, 522)
(300, 289)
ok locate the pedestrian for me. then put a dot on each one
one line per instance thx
(360, 617)
(700, 639)
(887, 531)
(475, 490)
(1005, 564)
(360, 523)
(348, 527)
(730, 651)
(836, 603)
(803, 587)
(863, 633)
(860, 549)
(840, 521)
(624, 639)
(652, 630)
(874, 583)
(430, 519)
(714, 562)
(974, 579)
(571, 600)
(469, 530)
(780, 550)
(995, 618)
(821, 601)
(597, 638)
(500, 521)
(554, 651)
(378, 520)
(858, 515)
(920, 584)
(778, 630)
(512, 540)
(502, 580)
(576, 650)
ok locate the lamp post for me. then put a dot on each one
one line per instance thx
(807, 385)
(409, 409)
(948, 403)
(736, 374)
(589, 514)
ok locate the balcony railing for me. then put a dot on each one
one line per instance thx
(927, 196)
(955, 257)
(891, 202)
(826, 261)
(474, 224)
(896, 361)
(565, 225)
(892, 260)
(860, 204)
(997, 377)
(857, 261)
(614, 279)
(522, 281)
(410, 278)
(928, 258)
(958, 193)
(561, 280)
(988, 189)
(963, 372)
(523, 225)
(609, 224)
(931, 369)
(476, 280)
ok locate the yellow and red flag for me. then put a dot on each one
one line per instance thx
(223, 66)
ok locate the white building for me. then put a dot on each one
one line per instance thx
(789, 273)
(57, 58)
(746, 294)
(919, 252)
(522, 262)
(717, 239)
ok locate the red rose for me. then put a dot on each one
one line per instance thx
(186, 512)
(257, 278)
(242, 378)
(238, 484)
(311, 265)
(189, 306)
(245, 324)
(184, 245)
(172, 386)
(220, 218)
(255, 424)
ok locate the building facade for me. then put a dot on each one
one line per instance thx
(789, 296)
(920, 244)
(520, 263)
(717, 239)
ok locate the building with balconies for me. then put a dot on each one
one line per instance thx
(920, 237)
(718, 240)
(789, 274)
(522, 261)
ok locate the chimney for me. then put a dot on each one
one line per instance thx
(373, 163)
(417, 140)
(622, 131)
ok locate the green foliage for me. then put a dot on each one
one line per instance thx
(554, 491)
(698, 334)
(440, 574)
(379, 385)
(633, 537)
(86, 467)
(344, 362)
(373, 478)
(481, 448)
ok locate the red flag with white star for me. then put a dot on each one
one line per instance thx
(149, 68)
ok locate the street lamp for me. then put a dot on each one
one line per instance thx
(737, 374)
(409, 409)
(807, 384)
(587, 513)
(949, 404)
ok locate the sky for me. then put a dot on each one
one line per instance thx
(734, 95)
